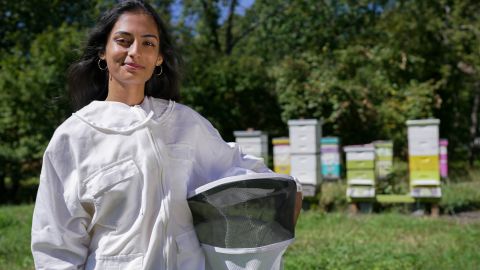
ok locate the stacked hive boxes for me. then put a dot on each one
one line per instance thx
(305, 137)
(281, 155)
(383, 158)
(360, 171)
(443, 158)
(330, 158)
(423, 151)
(253, 142)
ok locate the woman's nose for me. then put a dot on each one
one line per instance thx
(134, 49)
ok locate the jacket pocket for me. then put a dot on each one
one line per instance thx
(110, 176)
(189, 253)
(116, 192)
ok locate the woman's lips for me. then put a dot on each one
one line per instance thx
(133, 66)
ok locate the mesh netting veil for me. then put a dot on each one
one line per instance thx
(245, 213)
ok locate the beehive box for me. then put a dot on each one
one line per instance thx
(305, 164)
(360, 161)
(304, 136)
(281, 155)
(330, 157)
(423, 158)
(383, 159)
(253, 142)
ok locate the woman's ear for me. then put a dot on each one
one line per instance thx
(159, 60)
(101, 55)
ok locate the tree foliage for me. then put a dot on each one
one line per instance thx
(33, 102)
(364, 67)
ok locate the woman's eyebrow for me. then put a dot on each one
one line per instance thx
(150, 35)
(129, 34)
(123, 33)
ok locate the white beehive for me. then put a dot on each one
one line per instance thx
(306, 168)
(305, 160)
(423, 155)
(253, 142)
(304, 136)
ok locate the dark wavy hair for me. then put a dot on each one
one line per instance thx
(86, 82)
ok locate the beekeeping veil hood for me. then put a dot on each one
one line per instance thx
(245, 221)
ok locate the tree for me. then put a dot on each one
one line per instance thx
(33, 102)
(22, 20)
(462, 35)
(388, 62)
(231, 89)
(41, 39)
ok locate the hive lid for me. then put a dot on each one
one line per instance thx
(423, 122)
(359, 148)
(248, 133)
(384, 144)
(304, 122)
(329, 140)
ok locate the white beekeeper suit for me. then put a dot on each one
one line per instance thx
(114, 184)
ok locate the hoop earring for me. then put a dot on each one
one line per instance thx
(161, 71)
(100, 67)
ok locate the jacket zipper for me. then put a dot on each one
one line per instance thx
(164, 229)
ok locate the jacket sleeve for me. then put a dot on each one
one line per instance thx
(59, 236)
(215, 159)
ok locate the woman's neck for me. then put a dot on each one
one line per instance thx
(128, 94)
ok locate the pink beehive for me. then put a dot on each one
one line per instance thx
(443, 158)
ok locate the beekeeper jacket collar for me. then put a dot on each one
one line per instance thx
(118, 117)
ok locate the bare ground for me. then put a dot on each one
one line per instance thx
(464, 217)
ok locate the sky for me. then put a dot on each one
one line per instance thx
(242, 6)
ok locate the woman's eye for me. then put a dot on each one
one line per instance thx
(148, 43)
(122, 41)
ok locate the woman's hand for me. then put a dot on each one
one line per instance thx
(298, 206)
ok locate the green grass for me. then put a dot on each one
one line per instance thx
(15, 223)
(324, 241)
(383, 241)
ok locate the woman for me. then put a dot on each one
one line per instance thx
(115, 175)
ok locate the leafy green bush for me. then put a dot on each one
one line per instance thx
(28, 190)
(460, 172)
(332, 196)
(460, 197)
(461, 190)
(397, 181)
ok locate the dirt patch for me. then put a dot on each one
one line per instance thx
(464, 217)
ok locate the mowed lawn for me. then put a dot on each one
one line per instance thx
(383, 241)
(15, 222)
(324, 241)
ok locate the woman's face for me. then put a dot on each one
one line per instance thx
(132, 49)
